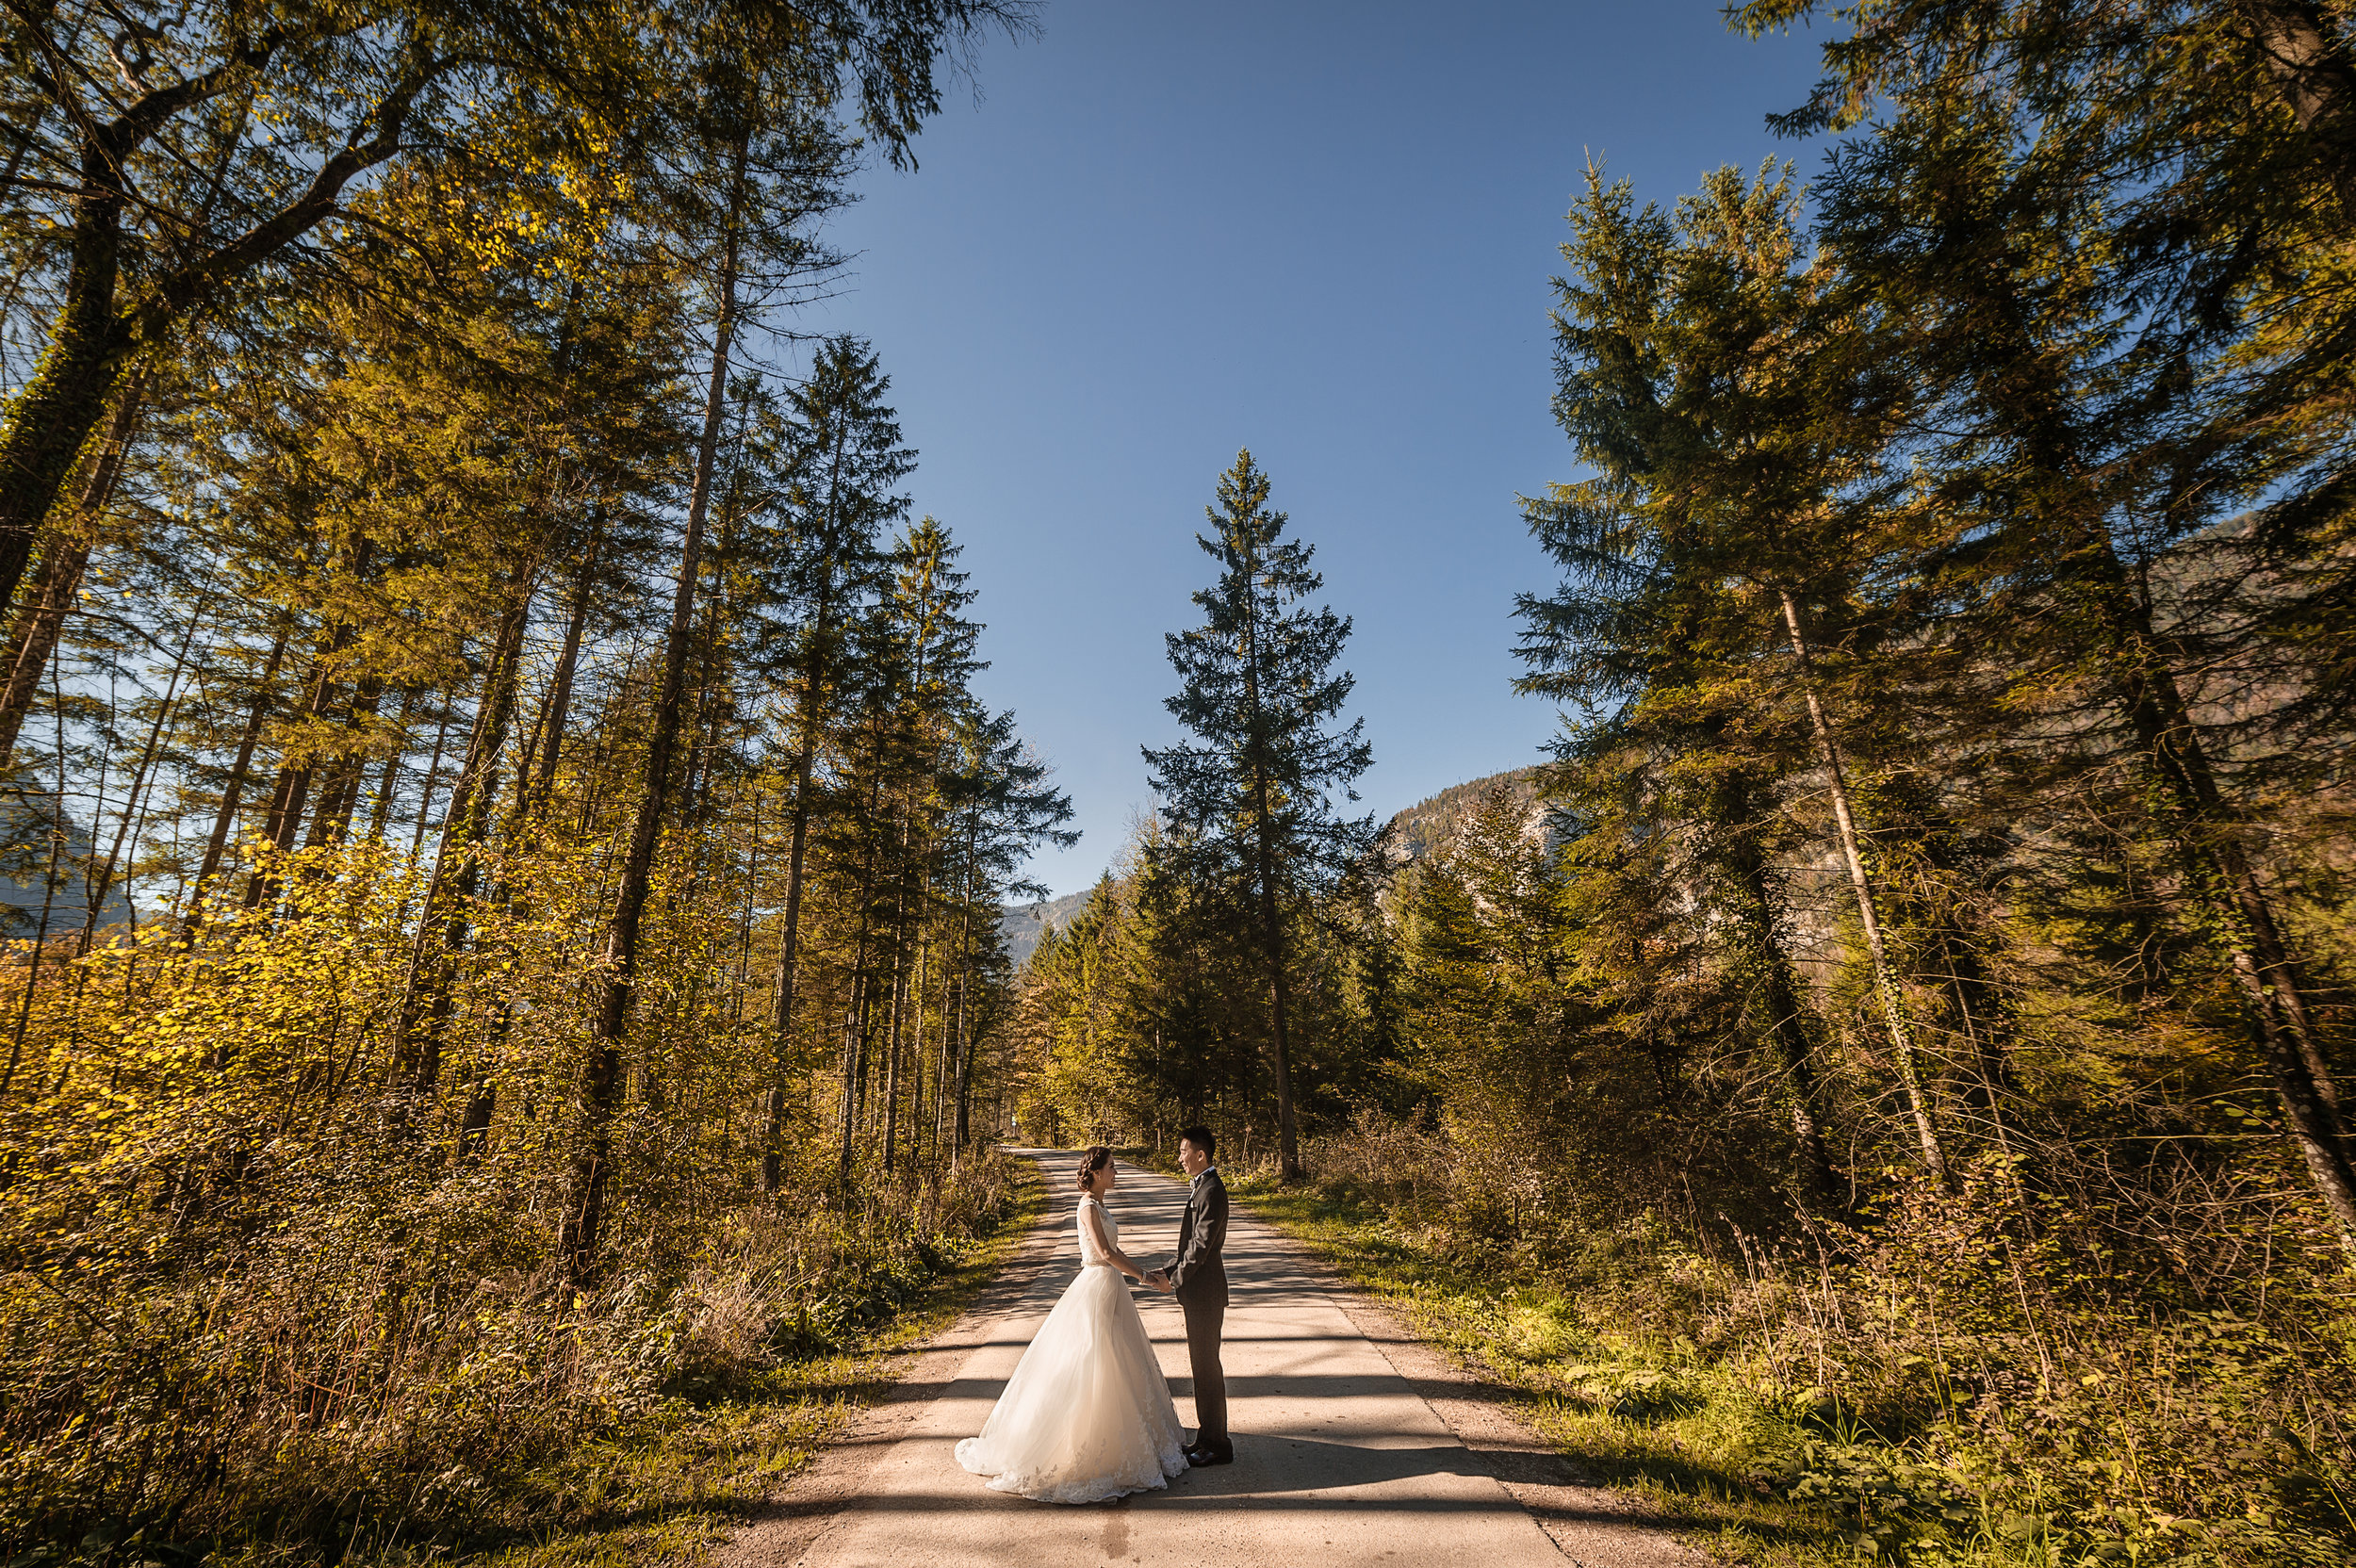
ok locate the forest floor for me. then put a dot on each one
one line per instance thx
(672, 1493)
(1354, 1443)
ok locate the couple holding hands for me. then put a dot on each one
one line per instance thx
(1087, 1415)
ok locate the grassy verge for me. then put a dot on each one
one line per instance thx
(1706, 1446)
(680, 1479)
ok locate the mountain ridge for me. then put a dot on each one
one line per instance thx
(1414, 832)
(1024, 925)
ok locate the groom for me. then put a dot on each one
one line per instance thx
(1198, 1280)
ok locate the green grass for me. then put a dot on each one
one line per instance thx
(673, 1488)
(1706, 1447)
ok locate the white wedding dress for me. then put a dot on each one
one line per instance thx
(1086, 1416)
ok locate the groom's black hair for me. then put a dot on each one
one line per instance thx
(1200, 1138)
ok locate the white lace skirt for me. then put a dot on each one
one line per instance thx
(1086, 1416)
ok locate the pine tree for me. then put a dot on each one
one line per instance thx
(2103, 255)
(1250, 799)
(999, 807)
(1712, 382)
(838, 494)
(771, 165)
(351, 95)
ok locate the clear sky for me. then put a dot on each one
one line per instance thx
(1323, 231)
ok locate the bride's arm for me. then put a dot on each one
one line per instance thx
(1113, 1255)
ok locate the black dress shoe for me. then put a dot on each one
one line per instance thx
(1200, 1457)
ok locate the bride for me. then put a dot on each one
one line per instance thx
(1086, 1416)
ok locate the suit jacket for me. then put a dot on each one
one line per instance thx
(1198, 1275)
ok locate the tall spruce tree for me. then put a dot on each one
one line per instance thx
(1251, 800)
(1000, 807)
(1695, 374)
(758, 161)
(838, 497)
(2103, 246)
(131, 128)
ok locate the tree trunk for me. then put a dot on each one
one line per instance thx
(894, 1042)
(855, 1041)
(567, 660)
(964, 1033)
(2318, 80)
(60, 577)
(330, 823)
(240, 768)
(138, 781)
(897, 1021)
(425, 987)
(1786, 1024)
(49, 422)
(2220, 875)
(433, 771)
(527, 767)
(944, 1073)
(1885, 985)
(474, 1128)
(851, 1057)
(1271, 916)
(809, 716)
(1981, 1019)
(1272, 930)
(916, 1048)
(788, 958)
(855, 1038)
(295, 772)
(294, 776)
(381, 813)
(602, 1074)
(38, 630)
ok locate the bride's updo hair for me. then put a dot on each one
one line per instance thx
(1093, 1161)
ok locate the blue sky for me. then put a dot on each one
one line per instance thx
(1160, 233)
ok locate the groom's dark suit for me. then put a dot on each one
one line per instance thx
(1198, 1280)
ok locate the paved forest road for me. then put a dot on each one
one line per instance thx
(1347, 1445)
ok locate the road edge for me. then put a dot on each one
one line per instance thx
(781, 1529)
(1592, 1525)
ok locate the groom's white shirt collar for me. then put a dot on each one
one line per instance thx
(1196, 1179)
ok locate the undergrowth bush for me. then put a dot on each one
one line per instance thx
(368, 1369)
(1993, 1374)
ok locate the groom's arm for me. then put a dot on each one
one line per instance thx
(1203, 1245)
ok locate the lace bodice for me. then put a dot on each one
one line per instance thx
(1091, 1255)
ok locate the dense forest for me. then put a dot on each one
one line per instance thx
(506, 852)
(1910, 1008)
(507, 865)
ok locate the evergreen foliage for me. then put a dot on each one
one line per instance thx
(513, 852)
(1886, 1097)
(510, 859)
(1249, 800)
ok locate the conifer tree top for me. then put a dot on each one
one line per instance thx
(1260, 692)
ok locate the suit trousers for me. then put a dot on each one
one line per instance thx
(1204, 1318)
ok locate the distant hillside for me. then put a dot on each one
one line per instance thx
(1024, 925)
(25, 861)
(1430, 826)
(1423, 828)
